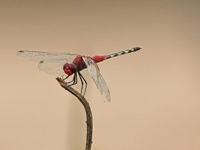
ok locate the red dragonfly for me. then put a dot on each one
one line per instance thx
(66, 64)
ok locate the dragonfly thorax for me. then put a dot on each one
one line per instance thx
(69, 69)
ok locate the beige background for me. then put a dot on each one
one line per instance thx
(155, 92)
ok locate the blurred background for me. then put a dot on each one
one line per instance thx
(155, 92)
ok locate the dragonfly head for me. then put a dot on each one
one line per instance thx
(68, 69)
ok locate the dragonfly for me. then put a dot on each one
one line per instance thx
(64, 65)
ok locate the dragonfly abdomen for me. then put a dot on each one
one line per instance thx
(123, 52)
(99, 58)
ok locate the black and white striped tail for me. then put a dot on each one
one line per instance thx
(123, 52)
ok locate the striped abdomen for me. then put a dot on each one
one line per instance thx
(101, 58)
(123, 52)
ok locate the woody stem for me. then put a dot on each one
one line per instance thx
(87, 110)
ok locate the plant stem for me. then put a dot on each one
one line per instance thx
(87, 110)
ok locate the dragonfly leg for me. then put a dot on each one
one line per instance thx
(71, 80)
(81, 76)
(66, 77)
(81, 82)
(74, 80)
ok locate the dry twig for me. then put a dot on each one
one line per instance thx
(87, 110)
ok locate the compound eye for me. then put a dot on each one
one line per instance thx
(68, 71)
(65, 66)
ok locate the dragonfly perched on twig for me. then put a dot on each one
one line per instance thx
(63, 63)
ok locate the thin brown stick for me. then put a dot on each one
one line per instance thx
(87, 110)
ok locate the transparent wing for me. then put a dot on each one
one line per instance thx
(94, 72)
(38, 56)
(51, 63)
(52, 66)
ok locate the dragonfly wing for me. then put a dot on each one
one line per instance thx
(38, 56)
(51, 63)
(95, 74)
(52, 66)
